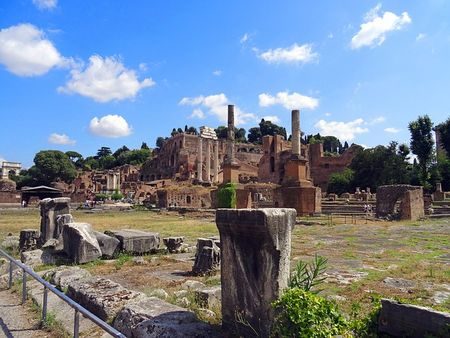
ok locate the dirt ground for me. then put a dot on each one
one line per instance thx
(404, 260)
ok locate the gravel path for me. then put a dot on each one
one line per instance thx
(17, 320)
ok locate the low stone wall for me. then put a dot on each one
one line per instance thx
(404, 320)
(410, 197)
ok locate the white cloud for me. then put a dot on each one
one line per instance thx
(272, 118)
(2, 160)
(60, 139)
(217, 105)
(345, 131)
(244, 38)
(288, 101)
(105, 79)
(327, 114)
(25, 51)
(110, 126)
(143, 67)
(391, 130)
(373, 30)
(293, 54)
(45, 4)
(197, 113)
(376, 120)
(421, 36)
(330, 35)
(217, 72)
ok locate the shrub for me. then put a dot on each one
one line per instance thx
(300, 313)
(116, 196)
(226, 196)
(307, 276)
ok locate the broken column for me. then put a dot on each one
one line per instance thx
(29, 239)
(80, 242)
(208, 160)
(50, 209)
(207, 258)
(230, 166)
(200, 159)
(255, 252)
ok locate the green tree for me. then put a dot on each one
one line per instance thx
(331, 144)
(254, 135)
(76, 158)
(120, 151)
(135, 157)
(341, 182)
(239, 133)
(192, 130)
(91, 163)
(380, 166)
(107, 162)
(444, 131)
(422, 143)
(221, 132)
(144, 146)
(160, 142)
(103, 151)
(52, 165)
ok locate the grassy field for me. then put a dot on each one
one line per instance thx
(404, 260)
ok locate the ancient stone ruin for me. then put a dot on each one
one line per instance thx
(207, 258)
(50, 209)
(255, 249)
(401, 200)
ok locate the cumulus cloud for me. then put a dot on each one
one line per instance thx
(288, 101)
(342, 130)
(293, 54)
(197, 113)
(217, 72)
(56, 138)
(216, 105)
(25, 51)
(391, 130)
(2, 159)
(105, 79)
(272, 118)
(373, 30)
(45, 4)
(110, 126)
(377, 120)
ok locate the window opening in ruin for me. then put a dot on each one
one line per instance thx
(188, 199)
(272, 164)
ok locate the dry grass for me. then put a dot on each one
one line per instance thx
(414, 251)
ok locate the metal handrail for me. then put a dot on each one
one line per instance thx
(47, 286)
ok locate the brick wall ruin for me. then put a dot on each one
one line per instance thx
(410, 198)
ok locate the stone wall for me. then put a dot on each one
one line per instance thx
(10, 197)
(321, 167)
(409, 196)
(177, 158)
(186, 197)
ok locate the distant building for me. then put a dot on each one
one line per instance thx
(10, 168)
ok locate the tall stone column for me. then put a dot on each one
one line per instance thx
(230, 135)
(255, 256)
(296, 152)
(208, 160)
(216, 162)
(200, 159)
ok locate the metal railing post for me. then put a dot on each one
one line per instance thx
(24, 286)
(10, 275)
(76, 324)
(44, 305)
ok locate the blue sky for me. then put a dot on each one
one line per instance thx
(78, 75)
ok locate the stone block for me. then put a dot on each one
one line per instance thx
(136, 241)
(31, 258)
(404, 320)
(80, 243)
(101, 296)
(208, 297)
(207, 258)
(173, 244)
(50, 209)
(63, 276)
(29, 239)
(153, 317)
(109, 245)
(255, 254)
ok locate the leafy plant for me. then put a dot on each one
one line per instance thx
(307, 276)
(226, 196)
(300, 313)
